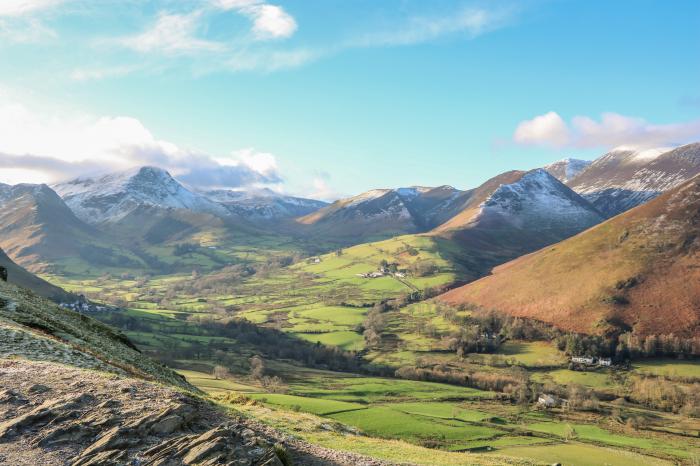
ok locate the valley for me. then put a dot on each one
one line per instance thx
(369, 345)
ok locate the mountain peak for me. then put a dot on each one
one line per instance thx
(112, 196)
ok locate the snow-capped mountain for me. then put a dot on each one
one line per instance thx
(625, 178)
(111, 197)
(539, 201)
(386, 212)
(263, 204)
(567, 169)
(513, 214)
(533, 200)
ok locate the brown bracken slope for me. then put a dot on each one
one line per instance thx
(638, 271)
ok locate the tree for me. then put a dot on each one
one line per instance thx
(569, 432)
(257, 367)
(220, 372)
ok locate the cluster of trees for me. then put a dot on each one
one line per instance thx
(270, 343)
(185, 248)
(106, 257)
(630, 345)
(424, 268)
(514, 383)
(272, 384)
(667, 395)
(374, 324)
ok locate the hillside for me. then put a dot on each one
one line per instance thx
(513, 214)
(37, 228)
(37, 329)
(625, 178)
(636, 271)
(20, 277)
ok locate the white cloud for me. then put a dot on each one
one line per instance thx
(611, 130)
(547, 129)
(38, 147)
(24, 7)
(172, 34)
(323, 191)
(269, 21)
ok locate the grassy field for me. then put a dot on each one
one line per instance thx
(447, 417)
(668, 367)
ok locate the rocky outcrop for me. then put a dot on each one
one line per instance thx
(53, 414)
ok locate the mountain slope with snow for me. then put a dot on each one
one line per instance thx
(513, 214)
(567, 169)
(263, 204)
(386, 212)
(625, 178)
(109, 198)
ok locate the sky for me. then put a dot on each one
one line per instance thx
(329, 98)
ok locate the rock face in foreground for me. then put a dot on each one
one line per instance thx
(52, 414)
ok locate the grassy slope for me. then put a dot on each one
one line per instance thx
(47, 328)
(573, 283)
(20, 277)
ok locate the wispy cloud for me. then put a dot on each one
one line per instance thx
(471, 22)
(611, 130)
(172, 34)
(95, 73)
(178, 34)
(25, 31)
(18, 8)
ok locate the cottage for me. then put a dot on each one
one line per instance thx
(548, 401)
(583, 360)
(605, 362)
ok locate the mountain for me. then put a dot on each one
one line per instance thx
(109, 198)
(567, 169)
(513, 214)
(381, 213)
(637, 271)
(20, 277)
(625, 178)
(37, 227)
(263, 204)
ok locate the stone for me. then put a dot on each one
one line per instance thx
(39, 388)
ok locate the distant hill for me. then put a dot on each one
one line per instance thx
(638, 271)
(625, 178)
(20, 277)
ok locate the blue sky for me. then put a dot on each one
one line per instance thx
(328, 97)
